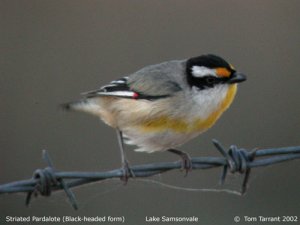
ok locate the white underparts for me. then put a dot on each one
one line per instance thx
(208, 100)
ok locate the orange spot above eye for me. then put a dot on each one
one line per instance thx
(223, 72)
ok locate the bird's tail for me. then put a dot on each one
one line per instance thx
(72, 106)
(84, 105)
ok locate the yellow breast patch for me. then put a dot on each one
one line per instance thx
(180, 125)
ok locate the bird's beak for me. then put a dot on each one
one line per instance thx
(237, 78)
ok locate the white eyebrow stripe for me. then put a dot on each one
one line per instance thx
(201, 71)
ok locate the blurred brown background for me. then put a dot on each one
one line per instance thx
(53, 50)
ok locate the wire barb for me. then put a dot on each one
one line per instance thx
(45, 181)
(237, 161)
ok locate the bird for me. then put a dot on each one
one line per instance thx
(160, 107)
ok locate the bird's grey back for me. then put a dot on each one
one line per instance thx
(161, 79)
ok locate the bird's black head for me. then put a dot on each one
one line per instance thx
(206, 71)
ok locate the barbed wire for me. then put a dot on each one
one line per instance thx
(45, 181)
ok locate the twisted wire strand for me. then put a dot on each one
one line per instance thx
(234, 160)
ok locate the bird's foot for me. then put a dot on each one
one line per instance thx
(187, 164)
(127, 172)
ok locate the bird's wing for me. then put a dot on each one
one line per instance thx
(117, 88)
(150, 83)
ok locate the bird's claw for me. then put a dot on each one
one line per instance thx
(127, 172)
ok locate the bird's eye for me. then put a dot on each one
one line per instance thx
(210, 80)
